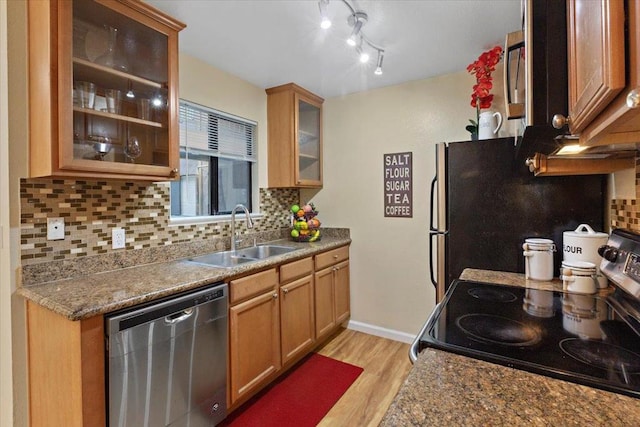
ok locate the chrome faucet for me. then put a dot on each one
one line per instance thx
(233, 223)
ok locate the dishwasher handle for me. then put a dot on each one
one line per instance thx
(178, 317)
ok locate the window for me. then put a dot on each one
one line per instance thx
(217, 152)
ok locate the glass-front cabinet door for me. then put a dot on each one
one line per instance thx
(308, 148)
(117, 100)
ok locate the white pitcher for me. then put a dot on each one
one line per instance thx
(489, 124)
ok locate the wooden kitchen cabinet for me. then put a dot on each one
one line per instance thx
(604, 72)
(82, 55)
(332, 290)
(297, 324)
(294, 143)
(66, 369)
(596, 58)
(254, 334)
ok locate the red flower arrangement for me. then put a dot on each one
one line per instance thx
(482, 69)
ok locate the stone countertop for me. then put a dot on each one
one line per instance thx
(448, 389)
(86, 296)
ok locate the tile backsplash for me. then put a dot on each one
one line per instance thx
(625, 212)
(91, 209)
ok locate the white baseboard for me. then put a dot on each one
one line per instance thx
(380, 331)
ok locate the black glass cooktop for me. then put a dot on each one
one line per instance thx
(578, 338)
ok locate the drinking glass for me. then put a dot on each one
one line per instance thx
(114, 100)
(86, 94)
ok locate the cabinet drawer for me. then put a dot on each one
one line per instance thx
(296, 269)
(332, 257)
(241, 289)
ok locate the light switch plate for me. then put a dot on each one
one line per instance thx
(117, 238)
(55, 228)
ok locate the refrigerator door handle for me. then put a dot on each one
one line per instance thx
(432, 229)
(432, 234)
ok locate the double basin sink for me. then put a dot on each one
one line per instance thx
(230, 259)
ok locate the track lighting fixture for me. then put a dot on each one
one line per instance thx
(364, 56)
(378, 70)
(325, 22)
(356, 19)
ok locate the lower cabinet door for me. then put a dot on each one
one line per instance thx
(341, 292)
(325, 318)
(254, 350)
(297, 329)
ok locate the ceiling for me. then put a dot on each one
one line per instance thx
(272, 42)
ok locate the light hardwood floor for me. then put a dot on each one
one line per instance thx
(386, 365)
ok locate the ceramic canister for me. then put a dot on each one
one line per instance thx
(579, 277)
(582, 244)
(538, 258)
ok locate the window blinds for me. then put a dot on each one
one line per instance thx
(207, 131)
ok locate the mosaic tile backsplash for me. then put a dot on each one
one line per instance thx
(625, 212)
(91, 209)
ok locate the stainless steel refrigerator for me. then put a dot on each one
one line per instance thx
(485, 202)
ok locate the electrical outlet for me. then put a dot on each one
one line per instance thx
(55, 228)
(117, 238)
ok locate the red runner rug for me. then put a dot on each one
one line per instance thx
(300, 398)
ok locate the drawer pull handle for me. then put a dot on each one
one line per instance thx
(335, 257)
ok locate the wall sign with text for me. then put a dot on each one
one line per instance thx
(398, 194)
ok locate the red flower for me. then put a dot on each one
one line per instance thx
(482, 68)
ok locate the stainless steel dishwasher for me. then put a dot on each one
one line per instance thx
(168, 361)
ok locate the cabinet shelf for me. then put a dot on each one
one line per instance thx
(117, 117)
(91, 71)
(307, 138)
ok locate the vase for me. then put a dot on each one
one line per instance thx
(111, 58)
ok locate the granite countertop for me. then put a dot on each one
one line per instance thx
(448, 389)
(94, 294)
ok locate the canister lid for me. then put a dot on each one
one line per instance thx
(539, 244)
(580, 266)
(584, 230)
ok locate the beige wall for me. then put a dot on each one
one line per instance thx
(6, 374)
(211, 87)
(14, 351)
(390, 284)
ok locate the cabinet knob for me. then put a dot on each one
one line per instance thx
(633, 98)
(335, 257)
(559, 121)
(275, 295)
(533, 163)
(285, 290)
(174, 172)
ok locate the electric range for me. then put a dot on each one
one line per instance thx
(587, 339)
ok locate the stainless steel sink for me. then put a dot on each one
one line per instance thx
(230, 259)
(226, 259)
(264, 251)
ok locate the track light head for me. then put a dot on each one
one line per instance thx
(378, 70)
(356, 20)
(325, 22)
(364, 56)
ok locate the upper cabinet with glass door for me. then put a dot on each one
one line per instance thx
(103, 97)
(295, 137)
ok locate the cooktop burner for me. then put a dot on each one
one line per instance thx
(603, 355)
(497, 295)
(578, 338)
(498, 330)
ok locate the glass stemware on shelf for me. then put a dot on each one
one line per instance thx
(132, 148)
(112, 58)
